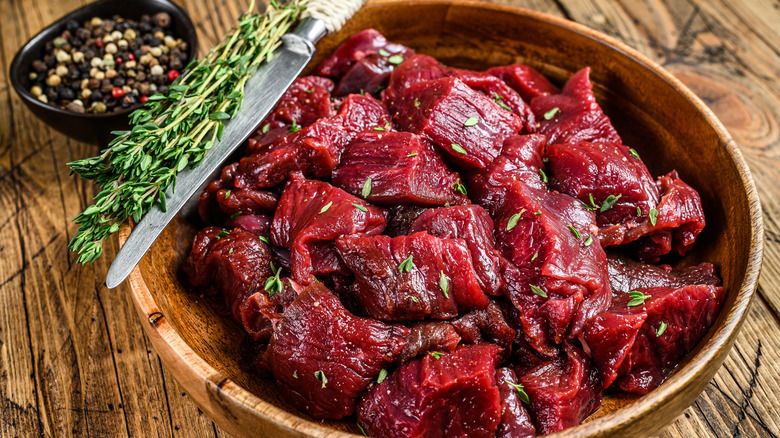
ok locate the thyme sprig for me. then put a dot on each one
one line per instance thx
(174, 130)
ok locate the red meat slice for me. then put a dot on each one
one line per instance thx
(443, 395)
(679, 220)
(367, 75)
(486, 325)
(594, 172)
(417, 68)
(550, 241)
(314, 211)
(675, 320)
(626, 275)
(474, 225)
(515, 421)
(469, 126)
(429, 336)
(400, 278)
(563, 391)
(403, 168)
(237, 264)
(401, 218)
(220, 200)
(520, 160)
(578, 116)
(323, 358)
(360, 45)
(525, 80)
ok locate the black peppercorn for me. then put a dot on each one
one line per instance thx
(119, 82)
(66, 93)
(72, 25)
(96, 96)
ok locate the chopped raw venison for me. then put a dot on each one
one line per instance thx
(429, 336)
(525, 80)
(439, 395)
(401, 218)
(473, 224)
(408, 278)
(314, 150)
(417, 68)
(312, 211)
(323, 358)
(562, 391)
(574, 115)
(674, 224)
(556, 272)
(486, 325)
(515, 421)
(220, 200)
(388, 168)
(469, 126)
(258, 224)
(237, 264)
(421, 68)
(608, 178)
(368, 75)
(498, 91)
(361, 45)
(520, 160)
(646, 332)
(626, 275)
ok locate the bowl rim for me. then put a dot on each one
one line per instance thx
(162, 332)
(40, 39)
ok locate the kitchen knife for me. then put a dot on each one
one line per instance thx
(261, 93)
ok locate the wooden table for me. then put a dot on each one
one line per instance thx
(74, 359)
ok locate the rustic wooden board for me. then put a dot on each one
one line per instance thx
(73, 357)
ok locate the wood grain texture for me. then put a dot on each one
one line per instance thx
(73, 357)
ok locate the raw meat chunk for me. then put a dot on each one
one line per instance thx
(417, 68)
(549, 240)
(626, 275)
(675, 224)
(358, 113)
(515, 421)
(469, 126)
(367, 75)
(443, 395)
(677, 319)
(610, 337)
(472, 224)
(520, 160)
(323, 358)
(429, 336)
(237, 264)
(313, 211)
(258, 224)
(402, 168)
(401, 218)
(597, 173)
(409, 278)
(563, 391)
(486, 325)
(360, 45)
(574, 115)
(525, 80)
(217, 202)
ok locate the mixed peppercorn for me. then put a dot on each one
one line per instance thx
(106, 65)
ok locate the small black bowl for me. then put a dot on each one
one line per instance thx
(92, 128)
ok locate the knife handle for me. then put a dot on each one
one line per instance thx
(333, 13)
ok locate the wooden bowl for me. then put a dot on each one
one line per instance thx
(652, 110)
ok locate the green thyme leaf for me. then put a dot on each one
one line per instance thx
(574, 231)
(550, 114)
(444, 284)
(589, 240)
(413, 154)
(366, 188)
(406, 265)
(326, 207)
(512, 222)
(634, 153)
(471, 121)
(360, 207)
(396, 59)
(436, 354)
(609, 202)
(637, 298)
(384, 52)
(320, 375)
(460, 188)
(653, 216)
(521, 394)
(382, 376)
(544, 176)
(459, 149)
(538, 291)
(661, 329)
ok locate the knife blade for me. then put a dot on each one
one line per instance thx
(261, 93)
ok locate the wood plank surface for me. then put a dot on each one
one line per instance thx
(74, 360)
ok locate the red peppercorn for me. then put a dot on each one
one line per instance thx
(118, 59)
(172, 75)
(117, 92)
(131, 57)
(144, 99)
(99, 44)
